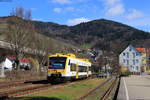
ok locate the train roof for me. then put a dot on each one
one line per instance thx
(69, 55)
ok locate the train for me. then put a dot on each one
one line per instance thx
(67, 67)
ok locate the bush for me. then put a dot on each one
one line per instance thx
(124, 71)
(127, 73)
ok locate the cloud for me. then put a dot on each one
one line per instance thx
(135, 14)
(57, 10)
(33, 9)
(69, 9)
(111, 2)
(37, 19)
(62, 1)
(114, 7)
(140, 22)
(115, 10)
(66, 9)
(77, 21)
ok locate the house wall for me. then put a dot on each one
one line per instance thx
(144, 62)
(148, 58)
(131, 59)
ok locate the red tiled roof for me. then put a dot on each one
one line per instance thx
(11, 57)
(141, 50)
(25, 60)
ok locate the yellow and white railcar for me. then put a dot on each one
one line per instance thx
(67, 66)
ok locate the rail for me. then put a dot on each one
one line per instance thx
(108, 92)
(112, 83)
(33, 89)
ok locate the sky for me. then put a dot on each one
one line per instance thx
(134, 13)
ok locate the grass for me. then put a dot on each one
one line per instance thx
(97, 94)
(4, 79)
(2, 36)
(3, 28)
(69, 92)
(86, 46)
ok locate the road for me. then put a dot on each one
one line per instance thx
(134, 88)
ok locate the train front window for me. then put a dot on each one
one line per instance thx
(57, 62)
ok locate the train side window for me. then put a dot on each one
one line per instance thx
(69, 62)
(82, 68)
(73, 67)
(89, 68)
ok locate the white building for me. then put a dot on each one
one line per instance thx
(131, 58)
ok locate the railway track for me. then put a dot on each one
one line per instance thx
(5, 85)
(113, 83)
(21, 90)
(9, 88)
(35, 87)
(108, 92)
(39, 86)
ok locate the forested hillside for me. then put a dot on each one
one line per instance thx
(100, 34)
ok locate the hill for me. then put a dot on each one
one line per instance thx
(97, 34)
(49, 28)
(53, 44)
(102, 34)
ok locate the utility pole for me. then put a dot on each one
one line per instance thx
(106, 60)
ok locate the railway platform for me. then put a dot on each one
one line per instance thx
(135, 87)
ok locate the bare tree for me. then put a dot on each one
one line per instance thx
(12, 13)
(43, 46)
(101, 62)
(28, 15)
(20, 34)
(22, 13)
(19, 11)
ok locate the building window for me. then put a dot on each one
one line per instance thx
(124, 61)
(137, 54)
(131, 67)
(133, 55)
(127, 54)
(133, 62)
(127, 62)
(130, 49)
(137, 68)
(137, 61)
(124, 54)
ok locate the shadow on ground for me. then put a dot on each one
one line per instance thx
(38, 82)
(34, 98)
(45, 82)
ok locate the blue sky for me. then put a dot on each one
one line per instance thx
(135, 13)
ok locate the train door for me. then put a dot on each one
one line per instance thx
(77, 71)
(87, 71)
